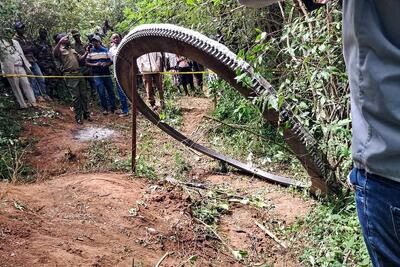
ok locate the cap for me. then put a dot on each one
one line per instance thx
(59, 36)
(96, 38)
(19, 25)
(75, 32)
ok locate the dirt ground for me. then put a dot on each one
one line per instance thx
(71, 218)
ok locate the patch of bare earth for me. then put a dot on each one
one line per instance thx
(109, 219)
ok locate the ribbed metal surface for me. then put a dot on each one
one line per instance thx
(174, 39)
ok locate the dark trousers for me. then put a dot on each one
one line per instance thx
(187, 79)
(77, 87)
(105, 88)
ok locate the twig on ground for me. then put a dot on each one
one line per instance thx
(270, 234)
(174, 181)
(163, 258)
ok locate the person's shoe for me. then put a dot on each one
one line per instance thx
(40, 98)
(123, 115)
(79, 121)
(105, 112)
(88, 118)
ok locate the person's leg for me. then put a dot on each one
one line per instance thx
(36, 88)
(107, 81)
(40, 80)
(184, 81)
(92, 85)
(14, 82)
(149, 89)
(378, 208)
(191, 83)
(199, 79)
(26, 86)
(123, 100)
(73, 87)
(101, 90)
(83, 98)
(160, 89)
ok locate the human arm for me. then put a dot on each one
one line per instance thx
(57, 49)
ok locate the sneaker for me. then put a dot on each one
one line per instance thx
(105, 112)
(123, 115)
(79, 121)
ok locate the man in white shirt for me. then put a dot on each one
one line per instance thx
(150, 65)
(13, 61)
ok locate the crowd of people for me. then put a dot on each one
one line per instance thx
(86, 69)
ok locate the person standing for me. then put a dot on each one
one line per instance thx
(371, 48)
(70, 66)
(38, 84)
(115, 41)
(197, 67)
(100, 60)
(150, 65)
(86, 71)
(13, 61)
(186, 78)
(45, 60)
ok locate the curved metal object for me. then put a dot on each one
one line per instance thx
(215, 56)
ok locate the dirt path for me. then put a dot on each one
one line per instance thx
(112, 219)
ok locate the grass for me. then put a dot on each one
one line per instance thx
(12, 149)
(331, 236)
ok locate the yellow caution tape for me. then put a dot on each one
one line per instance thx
(11, 75)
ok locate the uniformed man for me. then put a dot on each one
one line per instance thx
(70, 64)
(86, 71)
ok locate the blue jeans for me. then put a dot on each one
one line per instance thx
(38, 84)
(123, 100)
(105, 88)
(378, 208)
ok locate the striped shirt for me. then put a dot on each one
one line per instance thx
(99, 55)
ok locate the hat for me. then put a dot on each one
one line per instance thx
(59, 36)
(75, 32)
(19, 25)
(96, 38)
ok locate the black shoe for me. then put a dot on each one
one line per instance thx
(87, 117)
(79, 121)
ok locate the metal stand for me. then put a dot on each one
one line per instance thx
(134, 118)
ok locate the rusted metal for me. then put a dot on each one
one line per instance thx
(173, 39)
(134, 118)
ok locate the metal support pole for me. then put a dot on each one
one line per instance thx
(134, 117)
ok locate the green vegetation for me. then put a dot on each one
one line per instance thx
(299, 54)
(12, 149)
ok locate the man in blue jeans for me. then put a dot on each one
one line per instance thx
(371, 45)
(100, 60)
